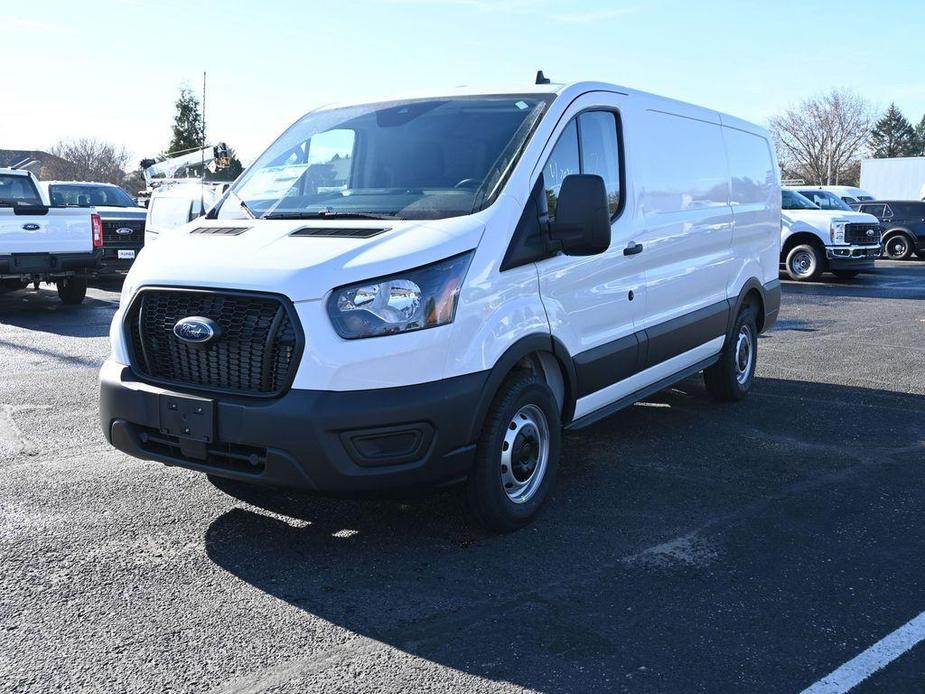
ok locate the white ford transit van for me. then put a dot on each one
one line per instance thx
(431, 289)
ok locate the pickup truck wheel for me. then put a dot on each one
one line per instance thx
(731, 377)
(517, 456)
(846, 274)
(804, 263)
(898, 247)
(72, 290)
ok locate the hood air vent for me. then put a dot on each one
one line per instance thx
(341, 232)
(220, 231)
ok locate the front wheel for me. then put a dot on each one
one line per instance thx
(805, 263)
(72, 290)
(898, 247)
(731, 377)
(517, 456)
(846, 274)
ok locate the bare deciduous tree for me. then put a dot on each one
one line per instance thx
(88, 159)
(822, 138)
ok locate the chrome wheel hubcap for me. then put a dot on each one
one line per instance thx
(802, 263)
(524, 454)
(744, 354)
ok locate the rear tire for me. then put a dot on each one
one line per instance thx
(730, 379)
(805, 263)
(72, 290)
(898, 247)
(517, 457)
(846, 274)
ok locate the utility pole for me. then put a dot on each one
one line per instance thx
(202, 137)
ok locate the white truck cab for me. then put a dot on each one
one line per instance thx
(431, 289)
(40, 242)
(825, 237)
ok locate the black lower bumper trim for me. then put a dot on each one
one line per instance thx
(50, 264)
(334, 442)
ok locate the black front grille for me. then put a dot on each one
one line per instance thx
(255, 353)
(111, 236)
(858, 233)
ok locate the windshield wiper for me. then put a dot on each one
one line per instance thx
(328, 214)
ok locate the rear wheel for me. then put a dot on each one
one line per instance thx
(805, 262)
(846, 274)
(898, 247)
(517, 456)
(72, 290)
(731, 377)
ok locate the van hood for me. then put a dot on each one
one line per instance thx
(269, 255)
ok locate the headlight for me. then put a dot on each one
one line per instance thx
(837, 230)
(421, 298)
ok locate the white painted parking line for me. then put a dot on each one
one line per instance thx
(878, 656)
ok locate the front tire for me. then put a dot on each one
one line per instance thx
(805, 263)
(517, 457)
(72, 290)
(846, 274)
(898, 247)
(730, 379)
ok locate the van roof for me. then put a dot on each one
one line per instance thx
(568, 91)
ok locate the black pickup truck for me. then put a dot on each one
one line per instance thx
(903, 223)
(123, 220)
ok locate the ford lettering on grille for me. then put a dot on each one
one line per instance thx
(196, 330)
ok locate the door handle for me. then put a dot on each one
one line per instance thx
(633, 249)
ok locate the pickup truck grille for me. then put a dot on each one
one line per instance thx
(111, 237)
(255, 353)
(858, 234)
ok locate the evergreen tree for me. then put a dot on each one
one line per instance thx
(893, 135)
(920, 137)
(187, 124)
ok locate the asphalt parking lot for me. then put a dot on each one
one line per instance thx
(689, 546)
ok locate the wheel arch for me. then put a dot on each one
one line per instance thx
(752, 292)
(545, 356)
(799, 238)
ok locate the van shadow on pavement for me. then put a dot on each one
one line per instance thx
(689, 545)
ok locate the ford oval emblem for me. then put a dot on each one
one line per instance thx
(125, 231)
(31, 226)
(196, 330)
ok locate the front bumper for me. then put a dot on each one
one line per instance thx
(852, 257)
(335, 442)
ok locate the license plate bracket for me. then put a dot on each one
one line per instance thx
(186, 417)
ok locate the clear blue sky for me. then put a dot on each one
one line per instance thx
(111, 68)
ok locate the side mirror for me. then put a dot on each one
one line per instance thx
(582, 225)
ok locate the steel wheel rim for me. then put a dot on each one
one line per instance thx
(744, 354)
(524, 454)
(896, 248)
(802, 263)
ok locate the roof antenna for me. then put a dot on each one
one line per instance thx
(541, 78)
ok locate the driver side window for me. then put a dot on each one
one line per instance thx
(589, 144)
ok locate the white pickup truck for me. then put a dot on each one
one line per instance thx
(41, 243)
(835, 239)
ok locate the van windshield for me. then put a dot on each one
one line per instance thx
(419, 159)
